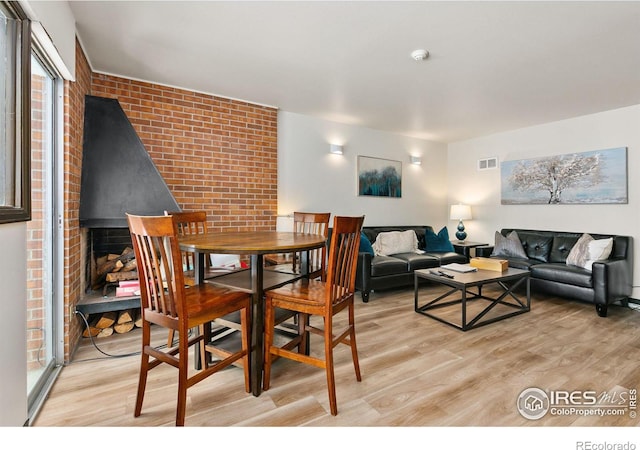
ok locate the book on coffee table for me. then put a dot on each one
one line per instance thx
(456, 267)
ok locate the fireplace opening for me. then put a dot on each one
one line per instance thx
(110, 260)
(110, 302)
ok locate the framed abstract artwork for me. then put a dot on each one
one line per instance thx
(595, 177)
(379, 177)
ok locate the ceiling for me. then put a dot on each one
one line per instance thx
(493, 66)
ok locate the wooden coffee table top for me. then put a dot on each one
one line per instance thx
(476, 278)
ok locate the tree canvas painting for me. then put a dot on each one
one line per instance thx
(596, 177)
(379, 177)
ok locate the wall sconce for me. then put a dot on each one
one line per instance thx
(335, 149)
(460, 213)
(416, 160)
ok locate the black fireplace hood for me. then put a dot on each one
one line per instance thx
(118, 175)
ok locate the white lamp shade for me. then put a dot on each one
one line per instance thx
(460, 212)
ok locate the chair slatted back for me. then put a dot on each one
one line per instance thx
(343, 258)
(159, 262)
(187, 223)
(314, 223)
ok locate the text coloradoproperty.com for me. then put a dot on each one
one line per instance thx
(568, 411)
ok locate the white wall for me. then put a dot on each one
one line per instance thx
(312, 179)
(58, 21)
(13, 334)
(481, 189)
(59, 38)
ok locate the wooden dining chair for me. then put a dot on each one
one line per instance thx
(324, 298)
(190, 223)
(187, 223)
(313, 223)
(309, 223)
(167, 302)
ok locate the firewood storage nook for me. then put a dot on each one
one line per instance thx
(111, 302)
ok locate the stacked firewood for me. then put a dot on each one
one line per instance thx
(114, 272)
(107, 323)
(113, 268)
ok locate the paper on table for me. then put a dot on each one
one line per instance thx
(459, 267)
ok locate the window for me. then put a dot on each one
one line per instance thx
(15, 129)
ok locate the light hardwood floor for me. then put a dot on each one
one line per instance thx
(415, 372)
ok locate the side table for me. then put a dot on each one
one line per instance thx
(464, 247)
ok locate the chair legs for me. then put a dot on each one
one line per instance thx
(348, 338)
(182, 383)
(299, 341)
(328, 360)
(203, 355)
(148, 364)
(144, 368)
(272, 352)
(268, 342)
(352, 342)
(181, 362)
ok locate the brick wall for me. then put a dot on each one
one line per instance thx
(36, 230)
(73, 253)
(215, 154)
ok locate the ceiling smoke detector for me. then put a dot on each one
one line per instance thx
(419, 54)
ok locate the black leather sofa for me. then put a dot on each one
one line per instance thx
(609, 281)
(376, 272)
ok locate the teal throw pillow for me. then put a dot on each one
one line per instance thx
(437, 242)
(365, 244)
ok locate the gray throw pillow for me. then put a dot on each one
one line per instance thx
(509, 246)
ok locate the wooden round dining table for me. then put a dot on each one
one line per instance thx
(256, 244)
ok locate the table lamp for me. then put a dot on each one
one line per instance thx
(460, 213)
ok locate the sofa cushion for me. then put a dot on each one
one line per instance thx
(509, 246)
(438, 242)
(418, 261)
(563, 273)
(365, 244)
(388, 265)
(536, 245)
(520, 263)
(392, 242)
(579, 254)
(561, 247)
(448, 257)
